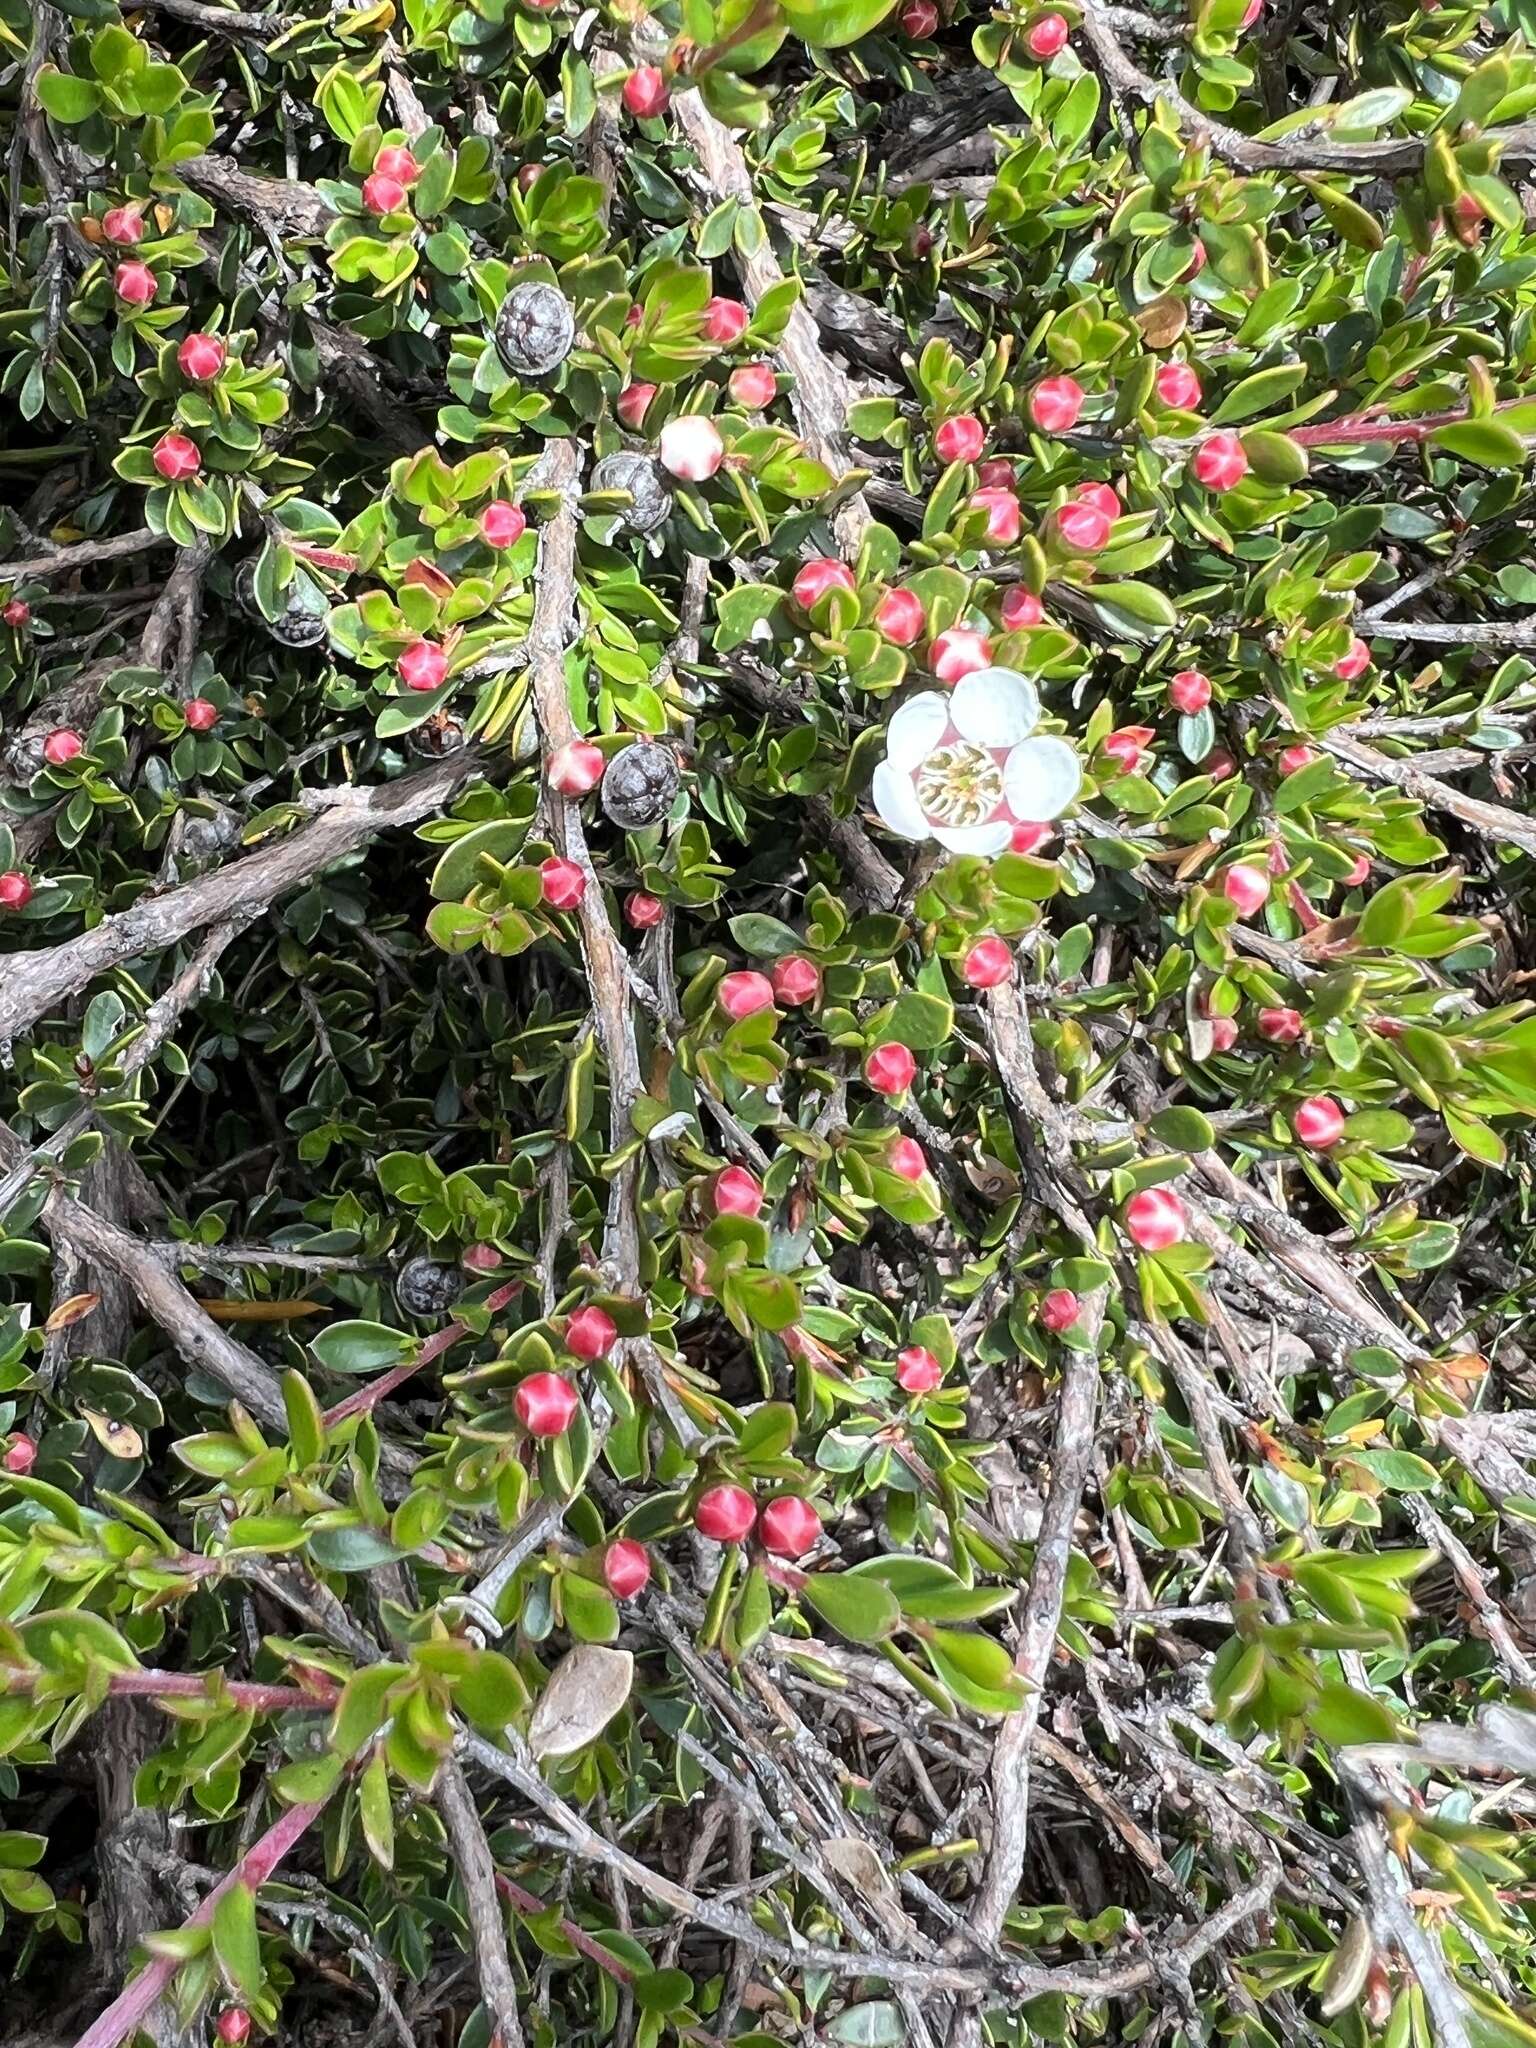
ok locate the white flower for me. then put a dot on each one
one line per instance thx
(960, 766)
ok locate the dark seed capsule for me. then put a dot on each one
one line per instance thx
(298, 626)
(650, 501)
(639, 785)
(535, 329)
(437, 736)
(425, 1288)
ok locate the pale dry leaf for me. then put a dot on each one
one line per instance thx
(586, 1689)
(74, 1310)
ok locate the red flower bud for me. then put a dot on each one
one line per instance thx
(1177, 385)
(1083, 528)
(575, 768)
(1105, 496)
(1223, 1034)
(889, 1069)
(745, 993)
(232, 2025)
(725, 321)
(1005, 519)
(632, 404)
(907, 1159)
(1059, 1310)
(176, 458)
(960, 439)
(1189, 692)
(1128, 746)
(959, 653)
(900, 617)
(753, 386)
(646, 93)
(725, 1514)
(135, 284)
(626, 1568)
(1056, 403)
(17, 612)
(795, 980)
(201, 357)
(503, 524)
(61, 746)
(20, 1454)
(1021, 608)
(200, 714)
(395, 161)
(383, 195)
(544, 1404)
(917, 20)
(1354, 662)
(918, 1371)
(1046, 36)
(1281, 1027)
(562, 884)
(643, 911)
(15, 890)
(1247, 887)
(1155, 1219)
(590, 1333)
(123, 225)
(1220, 462)
(789, 1526)
(816, 577)
(737, 1193)
(423, 666)
(1294, 759)
(988, 964)
(1318, 1122)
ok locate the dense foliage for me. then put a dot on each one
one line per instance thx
(767, 893)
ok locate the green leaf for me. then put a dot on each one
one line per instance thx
(1183, 1129)
(1341, 1715)
(1488, 442)
(67, 99)
(916, 1020)
(236, 1945)
(361, 1347)
(861, 1609)
(832, 24)
(764, 936)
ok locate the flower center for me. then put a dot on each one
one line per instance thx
(959, 784)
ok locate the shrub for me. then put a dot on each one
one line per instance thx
(764, 842)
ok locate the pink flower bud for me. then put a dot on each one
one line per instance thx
(907, 1159)
(1318, 1122)
(1021, 608)
(562, 883)
(1354, 662)
(988, 964)
(528, 175)
(503, 524)
(135, 284)
(632, 404)
(1177, 385)
(574, 769)
(1059, 1310)
(1056, 403)
(725, 322)
(959, 653)
(795, 980)
(544, 1404)
(900, 616)
(395, 161)
(960, 439)
(1294, 759)
(61, 746)
(1029, 837)
(725, 1514)
(1219, 764)
(123, 225)
(1154, 1219)
(15, 890)
(590, 1333)
(1128, 746)
(889, 1068)
(737, 1193)
(1246, 887)
(753, 386)
(744, 993)
(423, 666)
(383, 194)
(646, 93)
(1189, 692)
(232, 2025)
(1281, 1027)
(201, 714)
(1223, 1034)
(643, 911)
(1046, 36)
(1005, 520)
(691, 448)
(16, 612)
(1083, 528)
(789, 1526)
(1220, 462)
(176, 458)
(201, 357)
(917, 20)
(997, 474)
(816, 577)
(1105, 496)
(918, 1371)
(626, 1568)
(20, 1454)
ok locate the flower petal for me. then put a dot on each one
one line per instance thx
(995, 707)
(916, 729)
(1041, 777)
(896, 801)
(983, 839)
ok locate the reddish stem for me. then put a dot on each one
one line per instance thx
(193, 1685)
(1360, 427)
(132, 2006)
(367, 1398)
